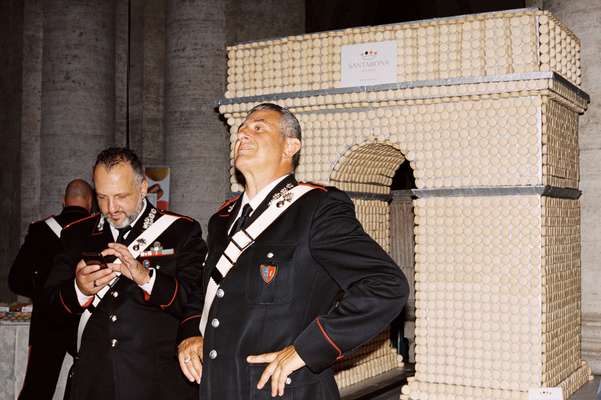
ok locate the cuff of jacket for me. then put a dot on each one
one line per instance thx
(68, 298)
(189, 327)
(316, 347)
(164, 291)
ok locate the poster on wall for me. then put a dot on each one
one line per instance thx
(158, 185)
(367, 64)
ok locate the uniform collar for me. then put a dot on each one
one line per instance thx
(263, 199)
(259, 197)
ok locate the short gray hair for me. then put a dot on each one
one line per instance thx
(112, 156)
(289, 125)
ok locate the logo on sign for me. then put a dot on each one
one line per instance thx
(368, 64)
(369, 54)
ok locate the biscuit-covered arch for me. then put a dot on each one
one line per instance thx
(486, 112)
(367, 167)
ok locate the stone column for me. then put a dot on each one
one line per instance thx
(33, 21)
(154, 82)
(147, 80)
(120, 72)
(11, 65)
(78, 92)
(583, 17)
(196, 145)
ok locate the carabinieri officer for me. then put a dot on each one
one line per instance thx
(130, 310)
(292, 282)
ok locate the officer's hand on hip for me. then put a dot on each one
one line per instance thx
(281, 364)
(189, 354)
(129, 267)
(91, 278)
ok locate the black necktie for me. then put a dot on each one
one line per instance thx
(122, 233)
(242, 220)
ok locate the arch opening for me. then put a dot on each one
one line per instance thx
(367, 168)
(379, 178)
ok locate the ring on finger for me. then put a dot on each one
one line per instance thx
(288, 380)
(187, 359)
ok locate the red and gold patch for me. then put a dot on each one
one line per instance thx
(268, 272)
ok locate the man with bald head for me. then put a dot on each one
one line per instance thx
(48, 340)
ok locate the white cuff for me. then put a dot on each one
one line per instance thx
(147, 287)
(82, 298)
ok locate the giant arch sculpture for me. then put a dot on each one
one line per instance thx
(485, 109)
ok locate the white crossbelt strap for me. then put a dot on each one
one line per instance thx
(55, 226)
(242, 240)
(140, 243)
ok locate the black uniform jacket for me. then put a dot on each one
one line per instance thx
(321, 254)
(128, 348)
(48, 339)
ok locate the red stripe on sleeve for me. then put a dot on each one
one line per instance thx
(60, 295)
(189, 318)
(323, 332)
(172, 297)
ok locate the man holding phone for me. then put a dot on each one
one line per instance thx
(128, 272)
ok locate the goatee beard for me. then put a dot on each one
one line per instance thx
(130, 218)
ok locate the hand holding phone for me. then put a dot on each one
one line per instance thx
(93, 258)
(91, 280)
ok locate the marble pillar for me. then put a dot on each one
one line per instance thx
(147, 80)
(11, 65)
(154, 82)
(121, 71)
(33, 21)
(196, 145)
(78, 92)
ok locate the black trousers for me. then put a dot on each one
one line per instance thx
(43, 369)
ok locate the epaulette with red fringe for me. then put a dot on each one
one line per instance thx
(81, 220)
(313, 185)
(228, 202)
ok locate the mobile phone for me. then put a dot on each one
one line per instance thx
(92, 258)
